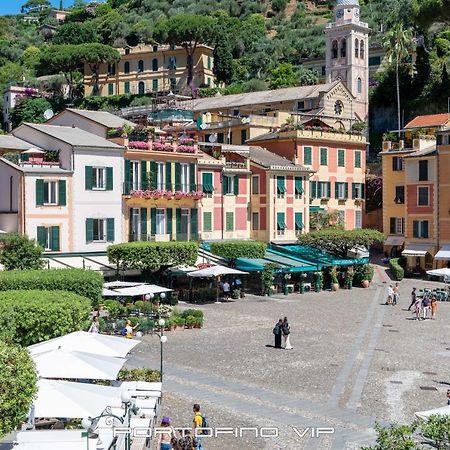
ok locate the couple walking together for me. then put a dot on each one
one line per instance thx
(282, 328)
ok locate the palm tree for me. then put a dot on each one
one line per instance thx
(398, 41)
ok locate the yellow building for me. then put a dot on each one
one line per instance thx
(151, 68)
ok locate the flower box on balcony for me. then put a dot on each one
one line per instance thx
(186, 149)
(197, 195)
(139, 145)
(153, 194)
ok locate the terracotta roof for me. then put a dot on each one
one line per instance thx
(423, 152)
(429, 120)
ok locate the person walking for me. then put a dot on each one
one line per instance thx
(396, 294)
(226, 290)
(426, 307)
(198, 423)
(433, 306)
(418, 308)
(413, 298)
(286, 334)
(278, 331)
(165, 438)
(95, 326)
(390, 295)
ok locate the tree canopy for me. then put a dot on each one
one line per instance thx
(19, 252)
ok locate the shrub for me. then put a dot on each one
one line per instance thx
(396, 269)
(35, 316)
(190, 321)
(192, 312)
(17, 252)
(204, 295)
(139, 374)
(239, 249)
(114, 307)
(363, 272)
(17, 386)
(153, 255)
(82, 282)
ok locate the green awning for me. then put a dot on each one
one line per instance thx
(316, 209)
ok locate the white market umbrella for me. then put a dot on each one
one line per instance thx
(142, 289)
(425, 415)
(109, 293)
(444, 272)
(70, 400)
(93, 343)
(58, 440)
(33, 151)
(119, 284)
(77, 365)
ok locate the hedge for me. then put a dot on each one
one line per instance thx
(17, 386)
(396, 269)
(153, 255)
(239, 249)
(28, 317)
(86, 283)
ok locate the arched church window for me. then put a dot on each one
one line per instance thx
(361, 49)
(356, 48)
(334, 49)
(359, 85)
(343, 48)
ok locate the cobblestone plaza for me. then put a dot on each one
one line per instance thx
(355, 361)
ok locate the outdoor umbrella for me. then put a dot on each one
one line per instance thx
(77, 365)
(33, 151)
(70, 400)
(81, 341)
(142, 289)
(444, 272)
(215, 272)
(425, 415)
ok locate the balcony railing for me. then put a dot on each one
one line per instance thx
(140, 237)
(236, 165)
(167, 191)
(160, 146)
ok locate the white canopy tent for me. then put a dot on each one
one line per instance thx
(120, 284)
(425, 415)
(94, 343)
(443, 254)
(444, 272)
(417, 249)
(215, 271)
(77, 365)
(141, 289)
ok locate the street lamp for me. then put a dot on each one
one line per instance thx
(149, 296)
(162, 340)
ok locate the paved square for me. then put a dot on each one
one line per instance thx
(354, 361)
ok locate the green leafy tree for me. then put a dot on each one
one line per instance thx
(18, 386)
(188, 31)
(395, 437)
(31, 57)
(19, 252)
(32, 6)
(398, 41)
(283, 76)
(426, 12)
(307, 77)
(29, 109)
(239, 249)
(223, 62)
(437, 429)
(12, 72)
(75, 33)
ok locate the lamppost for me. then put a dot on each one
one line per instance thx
(90, 423)
(162, 340)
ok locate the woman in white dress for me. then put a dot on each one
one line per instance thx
(286, 333)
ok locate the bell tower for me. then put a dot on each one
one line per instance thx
(347, 53)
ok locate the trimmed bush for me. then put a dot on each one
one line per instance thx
(239, 249)
(396, 269)
(17, 386)
(153, 255)
(86, 283)
(139, 374)
(28, 317)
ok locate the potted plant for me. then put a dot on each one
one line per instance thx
(318, 281)
(267, 278)
(236, 293)
(198, 322)
(350, 275)
(334, 279)
(303, 277)
(364, 274)
(190, 321)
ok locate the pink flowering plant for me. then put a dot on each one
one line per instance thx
(140, 145)
(186, 148)
(151, 193)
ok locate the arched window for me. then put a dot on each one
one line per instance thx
(359, 85)
(140, 65)
(343, 48)
(361, 49)
(126, 67)
(356, 48)
(155, 65)
(334, 49)
(141, 88)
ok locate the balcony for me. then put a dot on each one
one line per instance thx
(135, 237)
(323, 135)
(236, 165)
(166, 191)
(164, 146)
(44, 160)
(251, 120)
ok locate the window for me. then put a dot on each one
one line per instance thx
(126, 67)
(334, 50)
(357, 190)
(141, 88)
(185, 178)
(140, 66)
(422, 196)
(423, 170)
(126, 87)
(300, 105)
(155, 48)
(209, 63)
(155, 85)
(281, 224)
(397, 225)
(281, 187)
(358, 159)
(299, 222)
(50, 193)
(323, 70)
(420, 229)
(173, 83)
(48, 238)
(343, 48)
(359, 85)
(160, 176)
(172, 63)
(135, 175)
(399, 195)
(358, 218)
(307, 155)
(397, 163)
(207, 183)
(255, 184)
(228, 185)
(341, 158)
(243, 136)
(229, 221)
(255, 221)
(110, 89)
(341, 190)
(361, 49)
(160, 221)
(127, 51)
(220, 138)
(341, 217)
(98, 178)
(374, 60)
(298, 186)
(207, 221)
(356, 48)
(112, 69)
(323, 189)
(155, 65)
(323, 156)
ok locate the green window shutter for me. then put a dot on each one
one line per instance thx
(169, 222)
(313, 185)
(194, 224)
(353, 190)
(280, 221)
(152, 221)
(109, 179)
(363, 189)
(229, 221)
(89, 230)
(392, 225)
(168, 176)
(207, 221)
(127, 186)
(346, 190)
(207, 182)
(281, 188)
(328, 189)
(110, 89)
(144, 175)
(307, 155)
(177, 176)
(155, 85)
(323, 156)
(243, 136)
(298, 185)
(39, 192)
(357, 158)
(152, 176)
(416, 228)
(236, 185)
(62, 192)
(341, 158)
(41, 236)
(178, 222)
(55, 239)
(425, 228)
(298, 221)
(193, 184)
(88, 178)
(110, 230)
(224, 185)
(143, 223)
(127, 87)
(336, 189)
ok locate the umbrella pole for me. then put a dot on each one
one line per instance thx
(217, 289)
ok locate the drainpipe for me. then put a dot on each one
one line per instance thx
(22, 189)
(437, 201)
(222, 205)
